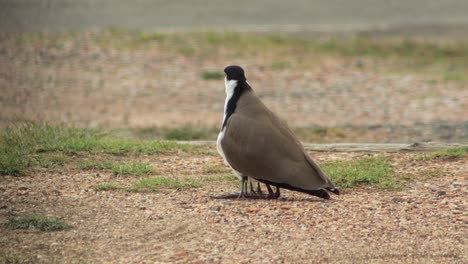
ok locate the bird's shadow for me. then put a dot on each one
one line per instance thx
(235, 196)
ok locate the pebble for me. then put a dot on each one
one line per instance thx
(216, 208)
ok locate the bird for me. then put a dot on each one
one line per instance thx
(257, 145)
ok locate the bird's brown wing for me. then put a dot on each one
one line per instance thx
(259, 147)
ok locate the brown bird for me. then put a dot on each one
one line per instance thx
(258, 145)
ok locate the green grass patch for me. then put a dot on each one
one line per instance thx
(37, 222)
(107, 187)
(453, 153)
(12, 161)
(15, 258)
(21, 143)
(122, 146)
(157, 183)
(212, 75)
(51, 160)
(374, 171)
(133, 168)
(364, 46)
(220, 177)
(455, 76)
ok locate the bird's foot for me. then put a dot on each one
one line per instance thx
(271, 194)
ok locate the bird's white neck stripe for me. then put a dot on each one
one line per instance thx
(230, 86)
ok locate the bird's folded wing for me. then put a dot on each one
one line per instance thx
(260, 147)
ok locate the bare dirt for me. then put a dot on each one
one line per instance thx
(425, 222)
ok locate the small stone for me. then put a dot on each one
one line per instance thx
(456, 184)
(396, 200)
(252, 210)
(441, 193)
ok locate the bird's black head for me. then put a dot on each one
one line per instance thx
(234, 72)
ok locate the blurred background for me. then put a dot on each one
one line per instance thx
(335, 71)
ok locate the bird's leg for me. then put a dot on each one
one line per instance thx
(259, 190)
(271, 194)
(270, 191)
(251, 188)
(243, 187)
(254, 195)
(277, 193)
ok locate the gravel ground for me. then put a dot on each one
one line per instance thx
(426, 222)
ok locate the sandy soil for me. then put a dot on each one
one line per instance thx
(426, 222)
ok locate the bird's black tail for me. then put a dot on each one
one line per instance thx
(333, 190)
(319, 193)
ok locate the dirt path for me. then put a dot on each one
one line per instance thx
(424, 222)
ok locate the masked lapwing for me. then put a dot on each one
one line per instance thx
(258, 145)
